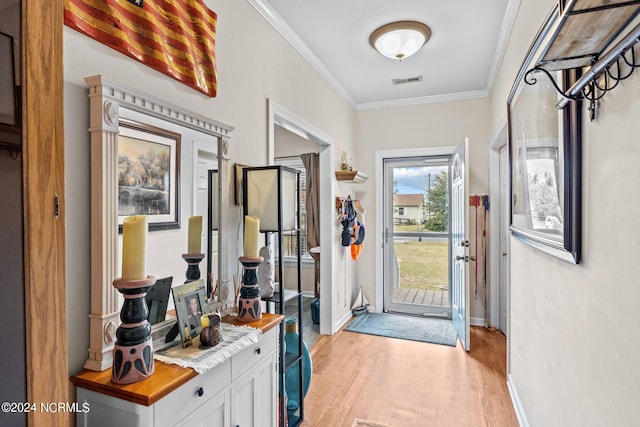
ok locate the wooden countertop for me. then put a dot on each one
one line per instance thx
(165, 378)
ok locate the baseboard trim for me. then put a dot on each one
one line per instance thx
(343, 321)
(517, 405)
(476, 321)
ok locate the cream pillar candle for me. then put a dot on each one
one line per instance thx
(194, 244)
(251, 230)
(134, 247)
(204, 321)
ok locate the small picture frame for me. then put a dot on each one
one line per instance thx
(191, 304)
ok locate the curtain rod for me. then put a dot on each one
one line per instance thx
(287, 158)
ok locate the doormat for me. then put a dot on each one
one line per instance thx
(414, 328)
(363, 423)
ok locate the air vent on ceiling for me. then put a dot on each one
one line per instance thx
(407, 80)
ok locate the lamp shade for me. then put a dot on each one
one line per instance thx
(399, 40)
(270, 193)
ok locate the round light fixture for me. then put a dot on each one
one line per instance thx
(399, 40)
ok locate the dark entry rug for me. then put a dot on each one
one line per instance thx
(414, 328)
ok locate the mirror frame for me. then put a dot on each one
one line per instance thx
(566, 242)
(106, 99)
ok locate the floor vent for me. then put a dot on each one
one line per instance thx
(407, 80)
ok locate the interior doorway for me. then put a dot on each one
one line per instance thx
(417, 238)
(499, 193)
(280, 118)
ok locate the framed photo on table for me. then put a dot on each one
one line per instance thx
(149, 175)
(545, 157)
(190, 301)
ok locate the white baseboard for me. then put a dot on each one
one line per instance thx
(476, 321)
(517, 406)
(341, 322)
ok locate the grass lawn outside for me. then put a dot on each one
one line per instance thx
(423, 265)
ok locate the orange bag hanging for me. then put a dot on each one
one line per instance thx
(356, 250)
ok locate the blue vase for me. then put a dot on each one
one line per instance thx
(292, 379)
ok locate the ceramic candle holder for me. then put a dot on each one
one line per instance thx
(249, 309)
(193, 269)
(133, 350)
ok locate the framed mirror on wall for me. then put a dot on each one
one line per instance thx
(545, 157)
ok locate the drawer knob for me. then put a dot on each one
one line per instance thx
(200, 391)
(257, 350)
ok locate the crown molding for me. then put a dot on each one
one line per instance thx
(507, 26)
(461, 96)
(296, 42)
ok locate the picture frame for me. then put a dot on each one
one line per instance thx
(149, 175)
(545, 156)
(9, 116)
(186, 297)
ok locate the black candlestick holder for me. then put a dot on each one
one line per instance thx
(193, 269)
(133, 350)
(249, 301)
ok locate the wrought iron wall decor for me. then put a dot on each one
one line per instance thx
(569, 43)
(544, 154)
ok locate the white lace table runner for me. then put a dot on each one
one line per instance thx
(234, 339)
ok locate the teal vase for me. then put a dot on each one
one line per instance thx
(292, 379)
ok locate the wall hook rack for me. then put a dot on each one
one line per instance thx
(575, 46)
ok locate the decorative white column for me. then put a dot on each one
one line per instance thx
(105, 101)
(105, 300)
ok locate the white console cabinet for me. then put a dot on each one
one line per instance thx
(242, 391)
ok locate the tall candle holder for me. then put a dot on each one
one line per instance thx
(193, 268)
(133, 350)
(249, 308)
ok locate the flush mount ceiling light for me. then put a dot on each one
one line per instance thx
(401, 39)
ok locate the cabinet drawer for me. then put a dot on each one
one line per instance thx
(254, 354)
(186, 399)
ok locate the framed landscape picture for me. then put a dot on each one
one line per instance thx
(149, 175)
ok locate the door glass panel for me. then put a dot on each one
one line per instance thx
(417, 252)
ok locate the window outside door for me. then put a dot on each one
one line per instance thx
(417, 240)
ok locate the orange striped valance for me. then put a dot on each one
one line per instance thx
(175, 37)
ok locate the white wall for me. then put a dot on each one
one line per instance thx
(254, 63)
(422, 126)
(573, 328)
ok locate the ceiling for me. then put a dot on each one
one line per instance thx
(458, 62)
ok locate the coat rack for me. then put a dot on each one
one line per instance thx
(574, 45)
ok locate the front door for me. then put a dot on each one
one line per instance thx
(460, 243)
(417, 240)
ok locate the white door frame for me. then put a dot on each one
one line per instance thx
(379, 185)
(498, 140)
(278, 116)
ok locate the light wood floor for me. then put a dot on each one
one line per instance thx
(399, 383)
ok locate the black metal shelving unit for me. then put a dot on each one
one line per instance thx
(287, 360)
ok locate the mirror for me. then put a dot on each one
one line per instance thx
(544, 145)
(110, 101)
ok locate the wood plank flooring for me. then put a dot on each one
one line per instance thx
(399, 383)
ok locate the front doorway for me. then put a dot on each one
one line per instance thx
(417, 238)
